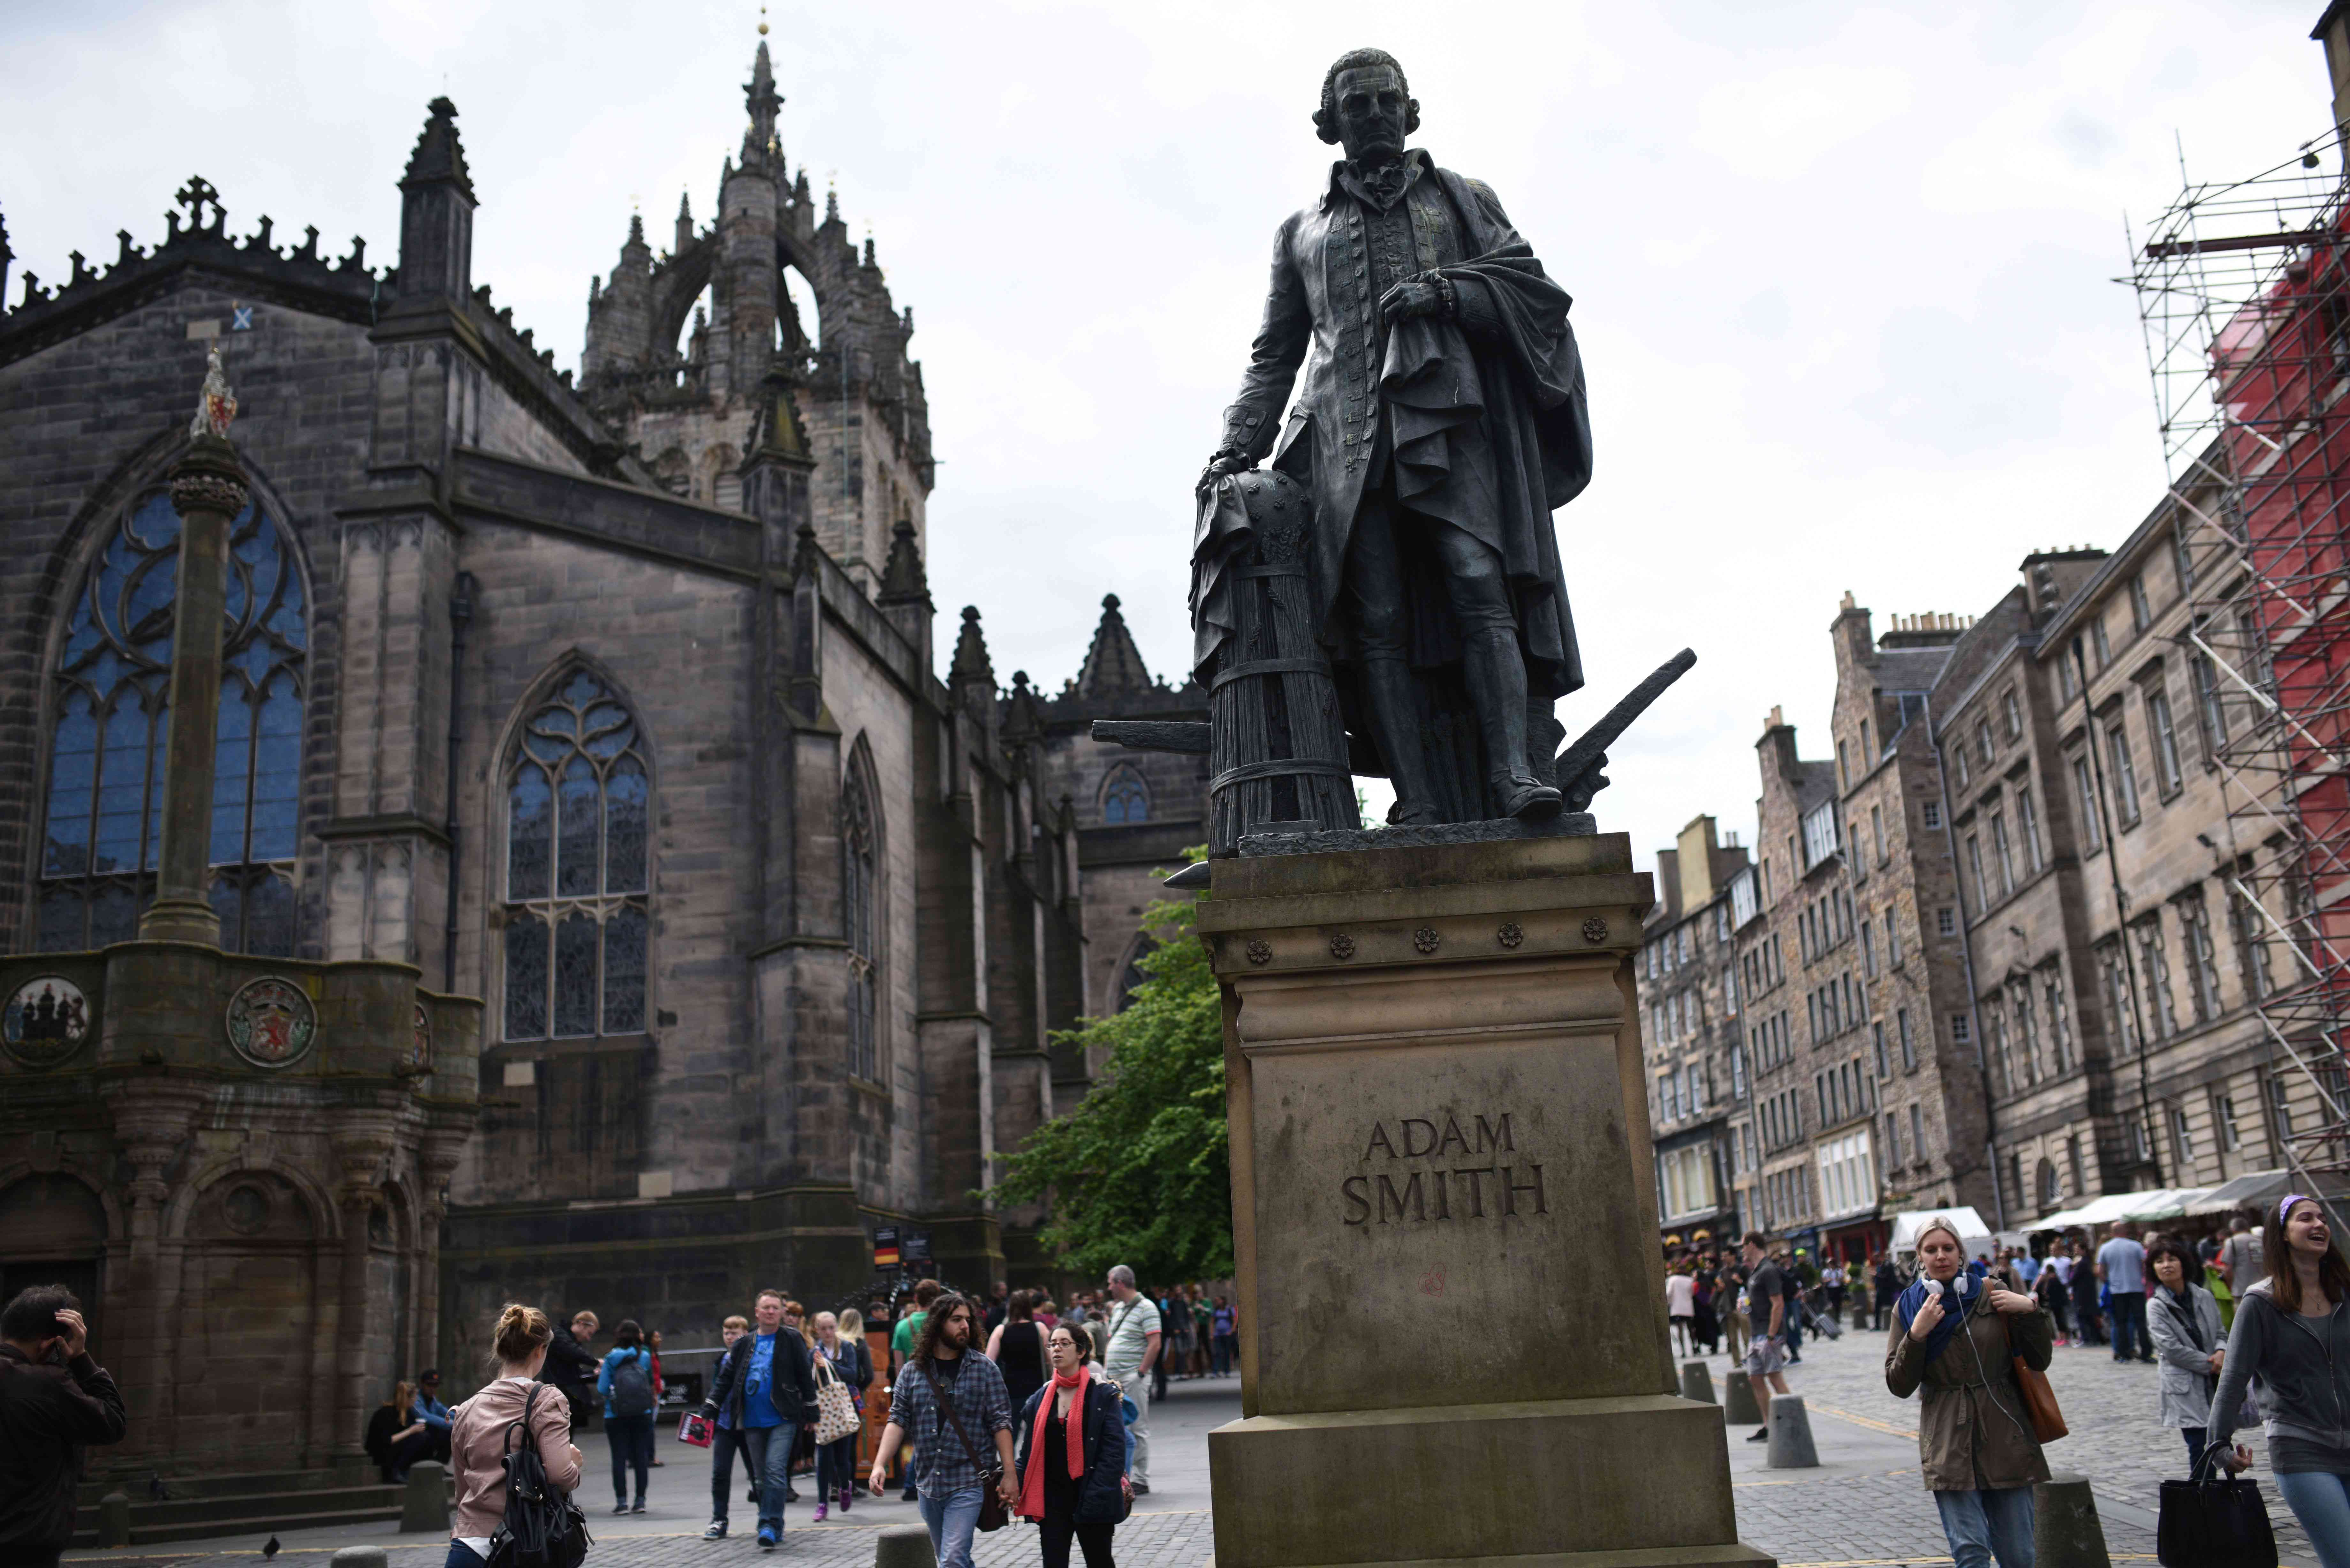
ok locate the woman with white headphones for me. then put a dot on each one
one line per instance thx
(1951, 1343)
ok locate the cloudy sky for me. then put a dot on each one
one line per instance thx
(1842, 274)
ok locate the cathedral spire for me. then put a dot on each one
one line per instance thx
(436, 213)
(1113, 664)
(760, 96)
(685, 221)
(970, 676)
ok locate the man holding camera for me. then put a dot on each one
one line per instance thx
(54, 1399)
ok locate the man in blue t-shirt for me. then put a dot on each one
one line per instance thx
(763, 1389)
(2121, 1264)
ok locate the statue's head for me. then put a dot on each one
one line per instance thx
(1366, 105)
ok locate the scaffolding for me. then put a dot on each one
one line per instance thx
(2243, 293)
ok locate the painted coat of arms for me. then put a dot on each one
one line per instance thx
(271, 1023)
(45, 1021)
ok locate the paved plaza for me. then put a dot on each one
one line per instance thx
(1863, 1508)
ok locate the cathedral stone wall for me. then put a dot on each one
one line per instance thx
(479, 544)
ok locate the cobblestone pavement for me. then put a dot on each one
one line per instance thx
(1865, 1507)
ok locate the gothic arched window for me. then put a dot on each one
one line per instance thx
(575, 916)
(104, 827)
(1125, 797)
(1130, 978)
(859, 916)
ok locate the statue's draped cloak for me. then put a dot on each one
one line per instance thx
(1484, 417)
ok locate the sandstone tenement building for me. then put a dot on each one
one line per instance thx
(611, 703)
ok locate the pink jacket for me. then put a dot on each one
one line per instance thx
(477, 1437)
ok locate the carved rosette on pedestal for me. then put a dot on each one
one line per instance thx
(1438, 1118)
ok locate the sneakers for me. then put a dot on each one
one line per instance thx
(717, 1530)
(1142, 1488)
(845, 1493)
(638, 1507)
(766, 1541)
(1763, 1436)
(619, 1508)
(819, 1513)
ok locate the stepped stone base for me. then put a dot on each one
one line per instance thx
(1438, 1115)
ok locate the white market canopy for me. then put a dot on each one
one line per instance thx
(1906, 1226)
(2157, 1204)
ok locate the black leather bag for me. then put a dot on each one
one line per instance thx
(543, 1528)
(2211, 1522)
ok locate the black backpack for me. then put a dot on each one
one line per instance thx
(632, 1387)
(543, 1527)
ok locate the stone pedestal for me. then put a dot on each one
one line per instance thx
(1438, 1121)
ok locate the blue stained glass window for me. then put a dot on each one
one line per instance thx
(1125, 797)
(574, 975)
(104, 828)
(624, 969)
(577, 930)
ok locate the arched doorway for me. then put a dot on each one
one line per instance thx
(52, 1232)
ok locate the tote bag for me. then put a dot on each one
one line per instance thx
(2213, 1523)
(836, 1416)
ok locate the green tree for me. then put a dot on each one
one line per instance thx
(1139, 1173)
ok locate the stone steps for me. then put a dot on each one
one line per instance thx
(258, 1505)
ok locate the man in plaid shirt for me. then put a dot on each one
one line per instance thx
(951, 1485)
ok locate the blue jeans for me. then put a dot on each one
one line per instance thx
(2322, 1503)
(954, 1516)
(2129, 1327)
(724, 1444)
(632, 1438)
(771, 1464)
(2194, 1436)
(1982, 1525)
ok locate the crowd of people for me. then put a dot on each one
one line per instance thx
(1047, 1405)
(2237, 1340)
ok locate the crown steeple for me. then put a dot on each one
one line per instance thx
(760, 96)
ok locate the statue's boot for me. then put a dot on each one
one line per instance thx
(1496, 675)
(1394, 723)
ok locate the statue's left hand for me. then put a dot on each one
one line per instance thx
(1414, 297)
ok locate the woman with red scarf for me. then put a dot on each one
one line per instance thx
(1072, 1458)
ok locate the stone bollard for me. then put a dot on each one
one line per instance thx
(904, 1546)
(114, 1518)
(425, 1506)
(1791, 1435)
(1697, 1383)
(2065, 1532)
(357, 1556)
(1737, 1406)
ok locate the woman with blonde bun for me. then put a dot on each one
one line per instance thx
(477, 1433)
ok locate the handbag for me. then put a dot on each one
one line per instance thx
(992, 1515)
(2213, 1523)
(2039, 1398)
(836, 1416)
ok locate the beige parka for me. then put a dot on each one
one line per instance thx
(1973, 1431)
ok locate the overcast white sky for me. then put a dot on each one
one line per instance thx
(1841, 274)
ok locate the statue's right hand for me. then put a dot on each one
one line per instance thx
(1222, 463)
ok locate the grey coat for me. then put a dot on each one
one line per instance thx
(2187, 1376)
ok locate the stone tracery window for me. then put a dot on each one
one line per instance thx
(104, 828)
(576, 905)
(857, 901)
(1125, 797)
